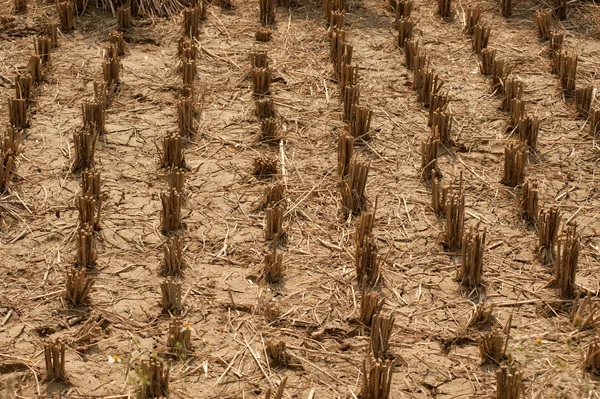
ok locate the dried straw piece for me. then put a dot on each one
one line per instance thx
(360, 122)
(472, 18)
(191, 20)
(273, 266)
(543, 22)
(173, 254)
(274, 223)
(403, 9)
(189, 71)
(264, 108)
(116, 39)
(508, 383)
(258, 59)
(261, 79)
(437, 103)
(528, 131)
(267, 12)
(444, 8)
(583, 314)
(264, 167)
(84, 143)
(11, 140)
(179, 339)
(171, 296)
(371, 304)
(89, 211)
(567, 71)
(367, 260)
(277, 354)
(87, 334)
(35, 68)
(529, 201)
(78, 286)
(342, 56)
(171, 153)
(94, 115)
(23, 86)
(548, 226)
(345, 152)
(263, 34)
(515, 159)
(66, 14)
(567, 254)
(86, 255)
(592, 356)
(429, 157)
(350, 101)
(481, 37)
(512, 89)
(583, 100)
(471, 269)
(506, 8)
(269, 130)
(441, 127)
(411, 51)
(19, 6)
(273, 196)
(268, 308)
(186, 120)
(500, 74)
(17, 113)
(491, 346)
(100, 94)
(560, 9)
(155, 378)
(455, 220)
(124, 18)
(353, 186)
(595, 122)
(170, 217)
(516, 109)
(381, 331)
(54, 354)
(377, 379)
(405, 30)
(556, 41)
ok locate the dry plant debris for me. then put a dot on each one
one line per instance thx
(274, 224)
(506, 8)
(17, 113)
(86, 254)
(273, 195)
(491, 346)
(529, 128)
(263, 34)
(444, 8)
(560, 9)
(405, 30)
(455, 220)
(472, 18)
(273, 263)
(84, 143)
(94, 115)
(371, 304)
(66, 14)
(170, 217)
(116, 39)
(277, 353)
(487, 61)
(543, 22)
(595, 123)
(261, 78)
(583, 100)
(584, 312)
(267, 12)
(11, 140)
(179, 338)
(353, 185)
(89, 211)
(269, 130)
(592, 356)
(482, 314)
(481, 37)
(264, 108)
(264, 166)
(360, 122)
(124, 18)
(171, 153)
(350, 101)
(429, 157)
(35, 68)
(411, 51)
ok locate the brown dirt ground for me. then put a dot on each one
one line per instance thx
(435, 355)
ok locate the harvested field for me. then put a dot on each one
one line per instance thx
(217, 257)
